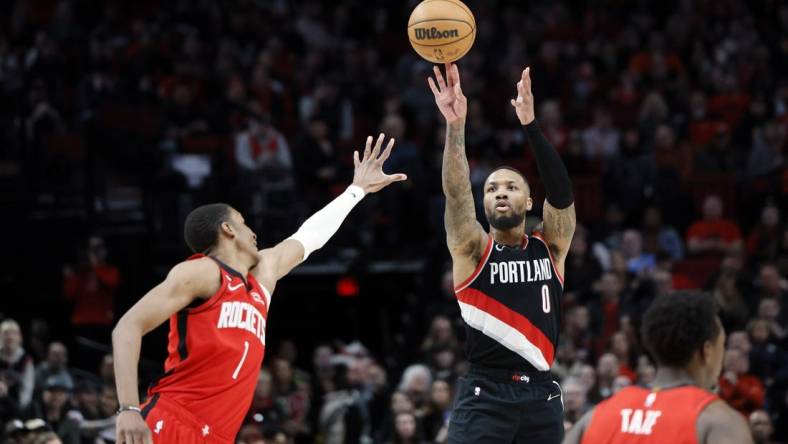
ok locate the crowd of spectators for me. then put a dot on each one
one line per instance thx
(672, 119)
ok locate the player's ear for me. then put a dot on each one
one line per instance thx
(529, 203)
(227, 229)
(706, 351)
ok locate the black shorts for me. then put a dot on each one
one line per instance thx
(503, 407)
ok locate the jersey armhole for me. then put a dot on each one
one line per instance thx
(479, 266)
(208, 302)
(539, 235)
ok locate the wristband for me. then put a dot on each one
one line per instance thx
(129, 408)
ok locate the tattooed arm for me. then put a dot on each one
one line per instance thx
(464, 235)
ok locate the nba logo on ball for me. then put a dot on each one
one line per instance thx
(441, 31)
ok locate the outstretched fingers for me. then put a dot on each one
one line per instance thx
(439, 78)
(367, 149)
(378, 144)
(387, 151)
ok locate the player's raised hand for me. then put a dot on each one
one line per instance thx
(448, 96)
(368, 173)
(524, 103)
(130, 428)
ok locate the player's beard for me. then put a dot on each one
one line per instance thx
(504, 222)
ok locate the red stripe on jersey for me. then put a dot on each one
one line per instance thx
(539, 236)
(482, 263)
(511, 318)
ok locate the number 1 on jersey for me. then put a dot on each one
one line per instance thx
(545, 298)
(243, 358)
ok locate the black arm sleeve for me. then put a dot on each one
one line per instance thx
(557, 186)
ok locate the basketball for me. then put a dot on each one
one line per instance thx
(441, 31)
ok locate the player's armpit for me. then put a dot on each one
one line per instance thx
(559, 228)
(184, 283)
(277, 261)
(720, 424)
(575, 434)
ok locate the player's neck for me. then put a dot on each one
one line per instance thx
(233, 260)
(668, 377)
(511, 236)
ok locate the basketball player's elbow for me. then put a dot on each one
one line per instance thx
(126, 330)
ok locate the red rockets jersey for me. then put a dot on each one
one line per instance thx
(215, 351)
(640, 415)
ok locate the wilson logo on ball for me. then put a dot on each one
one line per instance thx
(435, 33)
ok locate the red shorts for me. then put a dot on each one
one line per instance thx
(171, 423)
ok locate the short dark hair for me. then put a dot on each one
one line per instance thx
(201, 229)
(505, 167)
(678, 324)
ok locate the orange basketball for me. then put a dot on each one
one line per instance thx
(441, 31)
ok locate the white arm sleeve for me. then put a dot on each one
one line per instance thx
(318, 229)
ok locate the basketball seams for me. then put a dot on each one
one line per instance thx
(440, 20)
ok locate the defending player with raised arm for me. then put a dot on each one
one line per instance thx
(217, 303)
(508, 282)
(683, 333)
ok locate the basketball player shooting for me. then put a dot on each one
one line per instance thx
(685, 336)
(217, 303)
(508, 283)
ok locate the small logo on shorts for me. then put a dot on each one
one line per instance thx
(159, 426)
(206, 430)
(520, 378)
(477, 390)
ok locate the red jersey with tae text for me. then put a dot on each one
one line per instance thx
(214, 354)
(644, 416)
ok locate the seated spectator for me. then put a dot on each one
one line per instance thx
(764, 239)
(638, 261)
(719, 156)
(575, 400)
(601, 138)
(768, 360)
(582, 267)
(620, 346)
(343, 416)
(436, 418)
(761, 427)
(406, 430)
(713, 234)
(770, 284)
(733, 308)
(91, 288)
(262, 151)
(659, 238)
(291, 394)
(16, 365)
(441, 335)
(766, 156)
(770, 311)
(53, 408)
(416, 382)
(56, 364)
(743, 391)
(606, 372)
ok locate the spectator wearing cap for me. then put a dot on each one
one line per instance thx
(56, 364)
(713, 234)
(16, 365)
(53, 408)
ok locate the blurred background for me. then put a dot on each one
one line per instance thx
(117, 118)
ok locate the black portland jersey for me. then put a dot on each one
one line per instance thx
(511, 306)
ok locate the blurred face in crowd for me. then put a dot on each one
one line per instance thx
(736, 361)
(441, 329)
(10, 335)
(607, 367)
(506, 199)
(588, 376)
(377, 376)
(574, 395)
(263, 389)
(405, 425)
(769, 309)
(610, 287)
(759, 331)
(652, 218)
(108, 400)
(57, 356)
(646, 374)
(283, 373)
(321, 358)
(740, 341)
(87, 400)
(761, 426)
(712, 208)
(55, 398)
(632, 243)
(97, 250)
(620, 382)
(441, 394)
(106, 370)
(770, 279)
(579, 318)
(770, 216)
(620, 344)
(444, 359)
(400, 402)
